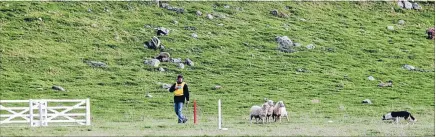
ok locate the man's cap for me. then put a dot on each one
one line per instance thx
(179, 76)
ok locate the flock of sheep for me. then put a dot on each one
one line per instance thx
(268, 110)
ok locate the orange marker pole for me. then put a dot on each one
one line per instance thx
(195, 112)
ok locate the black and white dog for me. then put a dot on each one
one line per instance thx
(396, 115)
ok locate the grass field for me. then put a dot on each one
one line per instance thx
(237, 50)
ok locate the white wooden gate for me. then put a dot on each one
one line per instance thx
(40, 112)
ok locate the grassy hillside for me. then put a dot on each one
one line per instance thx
(237, 50)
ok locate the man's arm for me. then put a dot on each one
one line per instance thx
(172, 88)
(186, 92)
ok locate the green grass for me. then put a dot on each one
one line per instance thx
(240, 56)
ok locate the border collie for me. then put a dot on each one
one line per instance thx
(396, 115)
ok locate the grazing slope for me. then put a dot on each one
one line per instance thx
(236, 50)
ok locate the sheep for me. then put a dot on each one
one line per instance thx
(258, 113)
(280, 111)
(270, 110)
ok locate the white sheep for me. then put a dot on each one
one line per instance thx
(270, 110)
(258, 112)
(280, 111)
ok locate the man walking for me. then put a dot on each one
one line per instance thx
(180, 90)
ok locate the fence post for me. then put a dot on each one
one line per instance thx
(31, 112)
(88, 112)
(195, 112)
(219, 114)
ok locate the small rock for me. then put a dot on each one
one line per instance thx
(227, 6)
(366, 101)
(408, 5)
(166, 86)
(161, 69)
(275, 12)
(148, 95)
(176, 60)
(190, 28)
(409, 67)
(210, 33)
(189, 62)
(106, 9)
(284, 42)
(302, 19)
(297, 44)
(97, 64)
(199, 13)
(209, 16)
(58, 88)
(342, 108)
(330, 121)
(239, 9)
(94, 25)
(155, 62)
(89, 10)
(181, 65)
(162, 31)
(401, 22)
(40, 19)
(220, 24)
(175, 22)
(194, 35)
(164, 5)
(147, 26)
(310, 46)
(371, 78)
(391, 28)
(217, 87)
(315, 101)
(416, 6)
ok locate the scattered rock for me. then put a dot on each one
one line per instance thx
(302, 19)
(301, 70)
(227, 6)
(148, 95)
(209, 16)
(40, 19)
(199, 13)
(220, 24)
(163, 57)
(342, 108)
(59, 88)
(155, 62)
(401, 22)
(166, 86)
(161, 69)
(190, 28)
(40, 88)
(408, 5)
(147, 26)
(275, 12)
(194, 35)
(217, 87)
(409, 67)
(310, 46)
(284, 42)
(189, 62)
(416, 6)
(106, 9)
(387, 84)
(391, 28)
(169, 7)
(162, 31)
(297, 44)
(315, 101)
(94, 25)
(330, 121)
(176, 60)
(89, 10)
(181, 65)
(175, 22)
(371, 78)
(97, 64)
(154, 43)
(366, 101)
(239, 9)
